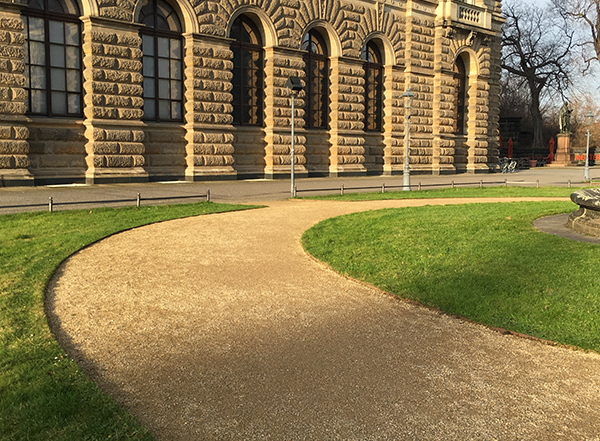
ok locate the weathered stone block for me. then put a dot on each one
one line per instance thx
(14, 147)
(119, 161)
(131, 148)
(7, 162)
(130, 114)
(12, 108)
(105, 148)
(22, 161)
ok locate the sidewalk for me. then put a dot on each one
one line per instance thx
(19, 199)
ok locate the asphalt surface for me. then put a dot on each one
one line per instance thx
(20, 199)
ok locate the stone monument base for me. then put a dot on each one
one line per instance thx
(586, 220)
(564, 155)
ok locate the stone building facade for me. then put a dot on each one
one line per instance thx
(124, 90)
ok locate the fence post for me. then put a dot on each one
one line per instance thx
(207, 195)
(50, 204)
(342, 190)
(419, 185)
(139, 199)
(481, 183)
(383, 187)
(537, 183)
(506, 182)
(569, 184)
(452, 183)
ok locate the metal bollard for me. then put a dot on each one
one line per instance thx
(208, 195)
(139, 200)
(50, 204)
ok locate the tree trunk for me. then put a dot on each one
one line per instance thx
(536, 117)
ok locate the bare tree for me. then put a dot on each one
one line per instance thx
(587, 14)
(515, 98)
(537, 47)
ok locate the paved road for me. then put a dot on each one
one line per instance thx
(220, 327)
(70, 197)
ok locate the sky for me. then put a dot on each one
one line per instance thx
(589, 84)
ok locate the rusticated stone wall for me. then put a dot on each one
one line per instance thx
(249, 151)
(164, 151)
(493, 113)
(208, 87)
(14, 148)
(57, 150)
(443, 142)
(420, 32)
(393, 120)
(347, 102)
(111, 142)
(374, 152)
(279, 66)
(113, 102)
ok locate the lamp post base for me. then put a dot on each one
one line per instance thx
(406, 180)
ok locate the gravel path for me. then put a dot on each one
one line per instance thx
(220, 327)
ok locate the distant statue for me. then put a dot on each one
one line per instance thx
(564, 119)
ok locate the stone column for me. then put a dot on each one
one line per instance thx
(209, 133)
(346, 118)
(443, 99)
(393, 121)
(113, 102)
(280, 65)
(14, 148)
(478, 126)
(495, 51)
(419, 76)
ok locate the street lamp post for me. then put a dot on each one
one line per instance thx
(408, 101)
(294, 85)
(589, 120)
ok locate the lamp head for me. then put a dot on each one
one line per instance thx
(294, 84)
(408, 100)
(589, 119)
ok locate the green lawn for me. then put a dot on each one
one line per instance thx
(43, 394)
(459, 192)
(485, 262)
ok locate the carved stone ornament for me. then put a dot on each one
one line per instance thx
(471, 38)
(586, 219)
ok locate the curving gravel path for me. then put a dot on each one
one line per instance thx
(220, 327)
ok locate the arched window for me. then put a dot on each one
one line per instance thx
(53, 64)
(460, 99)
(373, 87)
(248, 72)
(162, 62)
(317, 80)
